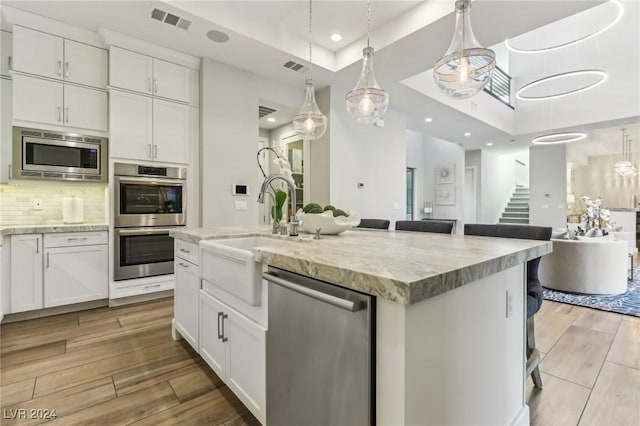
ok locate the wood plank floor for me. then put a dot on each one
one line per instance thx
(590, 368)
(119, 366)
(107, 366)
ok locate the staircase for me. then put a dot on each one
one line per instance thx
(517, 210)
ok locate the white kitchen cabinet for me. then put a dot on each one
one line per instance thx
(46, 55)
(141, 73)
(6, 146)
(37, 100)
(26, 272)
(50, 102)
(75, 274)
(170, 131)
(234, 347)
(143, 128)
(186, 293)
(6, 58)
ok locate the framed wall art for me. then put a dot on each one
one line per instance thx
(446, 194)
(445, 174)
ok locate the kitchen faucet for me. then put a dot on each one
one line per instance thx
(293, 224)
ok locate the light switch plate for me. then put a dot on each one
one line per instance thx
(241, 205)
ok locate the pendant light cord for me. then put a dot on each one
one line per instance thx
(310, 24)
(368, 21)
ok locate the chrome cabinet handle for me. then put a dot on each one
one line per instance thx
(151, 286)
(155, 85)
(185, 250)
(37, 245)
(220, 335)
(60, 68)
(224, 317)
(9, 64)
(10, 171)
(76, 238)
(150, 156)
(149, 85)
(66, 66)
(155, 151)
(48, 262)
(184, 265)
(59, 113)
(66, 115)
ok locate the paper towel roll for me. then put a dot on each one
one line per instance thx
(73, 210)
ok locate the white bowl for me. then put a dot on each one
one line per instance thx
(328, 224)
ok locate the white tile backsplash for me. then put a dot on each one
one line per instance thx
(16, 204)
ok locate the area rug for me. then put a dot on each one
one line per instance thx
(627, 303)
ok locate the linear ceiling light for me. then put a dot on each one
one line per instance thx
(603, 77)
(557, 138)
(573, 42)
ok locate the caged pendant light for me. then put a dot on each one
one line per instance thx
(467, 67)
(367, 102)
(310, 122)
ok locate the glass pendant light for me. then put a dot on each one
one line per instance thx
(467, 67)
(367, 102)
(624, 168)
(310, 123)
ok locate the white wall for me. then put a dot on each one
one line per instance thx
(415, 159)
(498, 182)
(474, 159)
(320, 171)
(548, 186)
(229, 122)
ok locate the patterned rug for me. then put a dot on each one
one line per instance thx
(627, 303)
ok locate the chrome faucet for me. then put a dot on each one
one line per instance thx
(293, 224)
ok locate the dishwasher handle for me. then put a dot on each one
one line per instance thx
(347, 305)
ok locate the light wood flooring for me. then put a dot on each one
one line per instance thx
(110, 367)
(590, 367)
(119, 366)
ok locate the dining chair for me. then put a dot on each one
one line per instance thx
(534, 287)
(374, 223)
(440, 227)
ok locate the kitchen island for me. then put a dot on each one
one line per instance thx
(450, 315)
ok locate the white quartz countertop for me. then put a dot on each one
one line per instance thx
(51, 228)
(404, 267)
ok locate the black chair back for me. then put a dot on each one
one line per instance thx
(374, 223)
(440, 227)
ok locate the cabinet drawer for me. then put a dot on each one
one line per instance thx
(187, 251)
(128, 288)
(68, 239)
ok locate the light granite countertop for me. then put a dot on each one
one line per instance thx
(404, 267)
(50, 228)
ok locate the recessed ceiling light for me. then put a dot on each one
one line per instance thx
(217, 36)
(428, 120)
(490, 144)
(336, 37)
(467, 134)
(271, 120)
(555, 138)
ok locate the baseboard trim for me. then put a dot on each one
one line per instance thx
(522, 418)
(57, 310)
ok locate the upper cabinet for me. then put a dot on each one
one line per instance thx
(140, 73)
(49, 56)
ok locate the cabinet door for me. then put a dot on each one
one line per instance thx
(246, 366)
(170, 131)
(37, 100)
(75, 274)
(130, 126)
(85, 108)
(6, 47)
(170, 80)
(84, 64)
(212, 348)
(185, 300)
(26, 272)
(6, 146)
(37, 53)
(130, 70)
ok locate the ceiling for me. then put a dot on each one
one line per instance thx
(409, 37)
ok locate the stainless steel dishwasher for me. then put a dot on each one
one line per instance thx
(320, 357)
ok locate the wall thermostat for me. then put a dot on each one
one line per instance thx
(237, 189)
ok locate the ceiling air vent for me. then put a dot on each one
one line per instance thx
(169, 18)
(294, 66)
(263, 111)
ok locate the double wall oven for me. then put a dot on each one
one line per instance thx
(148, 203)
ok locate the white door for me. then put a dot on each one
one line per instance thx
(26, 272)
(212, 347)
(6, 146)
(84, 64)
(85, 108)
(37, 100)
(75, 274)
(170, 131)
(186, 293)
(130, 70)
(170, 80)
(131, 126)
(37, 53)
(246, 357)
(470, 200)
(6, 57)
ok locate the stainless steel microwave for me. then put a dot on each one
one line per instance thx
(44, 154)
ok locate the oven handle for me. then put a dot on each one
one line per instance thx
(154, 231)
(170, 182)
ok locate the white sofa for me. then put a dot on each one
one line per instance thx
(587, 265)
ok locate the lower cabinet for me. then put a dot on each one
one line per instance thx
(234, 347)
(185, 301)
(26, 272)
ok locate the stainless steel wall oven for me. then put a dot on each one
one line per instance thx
(148, 203)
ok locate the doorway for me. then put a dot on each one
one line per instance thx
(470, 195)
